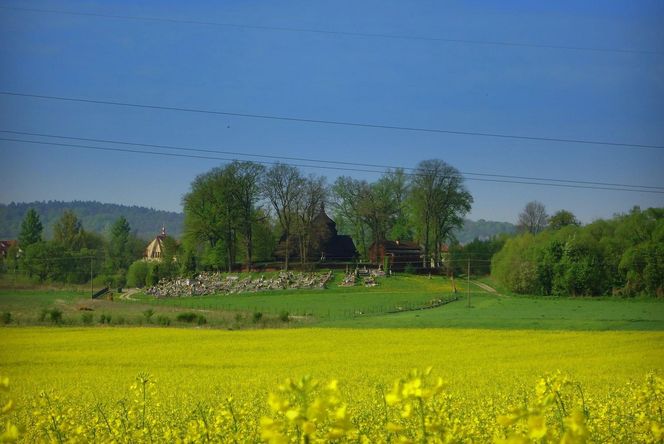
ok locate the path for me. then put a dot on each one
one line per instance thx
(485, 287)
(127, 295)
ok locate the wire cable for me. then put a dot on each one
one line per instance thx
(323, 161)
(336, 32)
(89, 147)
(333, 122)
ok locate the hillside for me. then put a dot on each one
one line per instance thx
(95, 216)
(147, 222)
(482, 229)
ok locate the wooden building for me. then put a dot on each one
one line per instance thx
(396, 255)
(326, 244)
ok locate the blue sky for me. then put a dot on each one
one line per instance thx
(532, 91)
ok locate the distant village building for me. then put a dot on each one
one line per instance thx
(396, 255)
(5, 245)
(155, 249)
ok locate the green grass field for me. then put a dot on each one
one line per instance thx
(355, 307)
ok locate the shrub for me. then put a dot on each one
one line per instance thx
(186, 317)
(163, 320)
(6, 317)
(137, 273)
(148, 315)
(284, 316)
(55, 315)
(87, 318)
(257, 316)
(105, 319)
(201, 320)
(409, 269)
(43, 314)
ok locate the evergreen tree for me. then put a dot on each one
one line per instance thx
(119, 246)
(31, 229)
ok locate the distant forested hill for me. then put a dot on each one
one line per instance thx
(146, 222)
(94, 216)
(482, 229)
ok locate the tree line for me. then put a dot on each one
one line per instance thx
(243, 210)
(557, 256)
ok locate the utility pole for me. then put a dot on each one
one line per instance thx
(92, 291)
(468, 281)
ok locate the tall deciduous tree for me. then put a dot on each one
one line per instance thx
(31, 229)
(440, 202)
(209, 216)
(246, 193)
(308, 205)
(346, 196)
(533, 218)
(282, 184)
(221, 207)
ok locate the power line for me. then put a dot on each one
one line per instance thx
(336, 32)
(157, 153)
(333, 122)
(323, 161)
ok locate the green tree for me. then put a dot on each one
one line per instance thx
(45, 260)
(440, 201)
(31, 229)
(563, 218)
(68, 232)
(210, 217)
(245, 191)
(119, 250)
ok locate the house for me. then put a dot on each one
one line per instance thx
(396, 255)
(5, 245)
(155, 249)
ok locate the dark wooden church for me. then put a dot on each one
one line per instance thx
(326, 244)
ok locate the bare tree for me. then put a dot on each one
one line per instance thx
(282, 185)
(533, 218)
(308, 203)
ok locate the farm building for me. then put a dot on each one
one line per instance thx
(396, 255)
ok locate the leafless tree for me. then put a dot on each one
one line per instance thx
(533, 218)
(282, 185)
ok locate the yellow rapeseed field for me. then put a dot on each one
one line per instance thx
(330, 385)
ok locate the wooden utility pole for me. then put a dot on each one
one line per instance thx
(468, 281)
(92, 291)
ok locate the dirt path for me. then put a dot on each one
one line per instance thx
(485, 287)
(127, 295)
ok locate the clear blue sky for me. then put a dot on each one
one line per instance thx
(612, 96)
